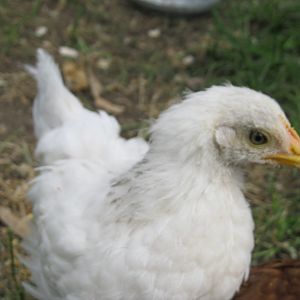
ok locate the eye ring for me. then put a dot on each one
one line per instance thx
(257, 137)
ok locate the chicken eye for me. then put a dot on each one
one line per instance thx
(257, 137)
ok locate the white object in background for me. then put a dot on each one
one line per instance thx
(41, 31)
(68, 52)
(179, 6)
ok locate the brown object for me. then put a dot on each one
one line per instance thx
(19, 226)
(75, 76)
(99, 101)
(277, 280)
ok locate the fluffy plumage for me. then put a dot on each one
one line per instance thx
(115, 220)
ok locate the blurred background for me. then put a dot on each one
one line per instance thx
(134, 62)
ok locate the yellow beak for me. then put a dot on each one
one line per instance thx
(292, 158)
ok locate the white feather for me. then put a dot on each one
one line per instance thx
(113, 222)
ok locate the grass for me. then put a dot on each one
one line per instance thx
(16, 288)
(277, 223)
(256, 43)
(12, 29)
(247, 42)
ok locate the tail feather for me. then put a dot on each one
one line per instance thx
(65, 129)
(31, 70)
(46, 71)
(54, 103)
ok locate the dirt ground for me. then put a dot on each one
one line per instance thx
(142, 61)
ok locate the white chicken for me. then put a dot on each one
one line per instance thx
(114, 220)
